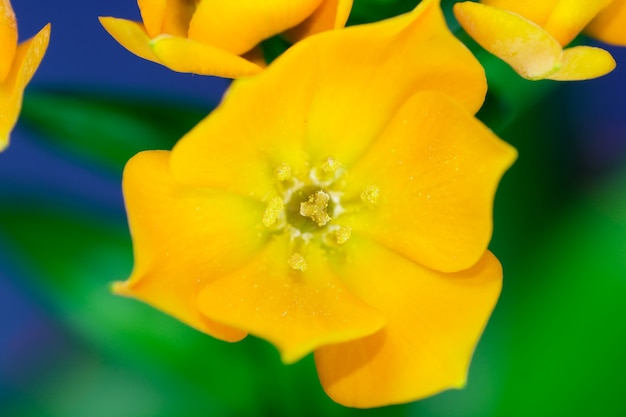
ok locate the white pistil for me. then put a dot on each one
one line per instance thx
(335, 197)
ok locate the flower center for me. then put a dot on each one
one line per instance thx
(309, 209)
(316, 208)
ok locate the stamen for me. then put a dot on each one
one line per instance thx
(342, 234)
(283, 172)
(274, 210)
(305, 205)
(330, 165)
(315, 208)
(370, 195)
(297, 262)
(326, 173)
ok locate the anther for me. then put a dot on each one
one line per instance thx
(283, 172)
(297, 262)
(370, 195)
(274, 210)
(342, 234)
(315, 208)
(330, 165)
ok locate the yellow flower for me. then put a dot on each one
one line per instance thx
(214, 37)
(18, 64)
(530, 36)
(339, 202)
(608, 26)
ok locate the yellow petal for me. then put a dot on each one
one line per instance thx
(27, 58)
(583, 63)
(569, 17)
(131, 35)
(563, 19)
(537, 11)
(259, 126)
(187, 55)
(8, 38)
(238, 26)
(434, 323)
(437, 169)
(312, 99)
(256, 56)
(177, 17)
(609, 25)
(170, 17)
(184, 238)
(331, 14)
(364, 73)
(530, 50)
(152, 14)
(297, 310)
(166, 16)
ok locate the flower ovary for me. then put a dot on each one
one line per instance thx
(316, 208)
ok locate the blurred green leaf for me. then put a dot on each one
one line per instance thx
(172, 368)
(367, 11)
(274, 47)
(106, 129)
(567, 349)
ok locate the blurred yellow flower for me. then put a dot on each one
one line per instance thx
(339, 202)
(608, 26)
(18, 64)
(530, 36)
(214, 37)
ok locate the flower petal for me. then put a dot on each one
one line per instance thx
(177, 17)
(131, 35)
(186, 55)
(537, 11)
(184, 238)
(170, 17)
(214, 21)
(152, 14)
(434, 323)
(256, 56)
(8, 37)
(437, 169)
(569, 17)
(364, 73)
(583, 63)
(331, 14)
(27, 58)
(259, 126)
(297, 311)
(530, 50)
(325, 110)
(608, 26)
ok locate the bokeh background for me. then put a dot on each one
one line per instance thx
(555, 345)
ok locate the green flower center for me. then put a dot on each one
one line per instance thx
(309, 209)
